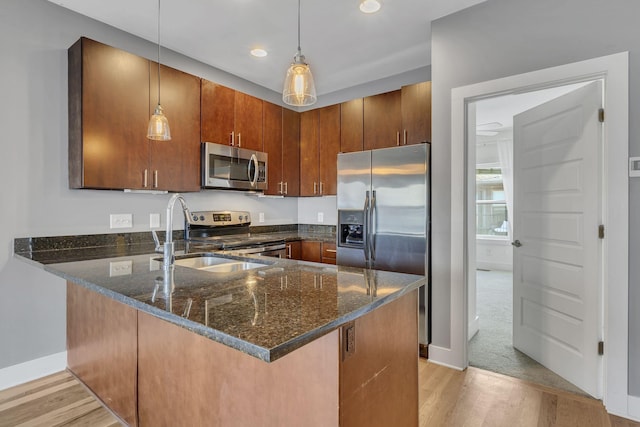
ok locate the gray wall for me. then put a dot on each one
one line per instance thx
(500, 38)
(36, 201)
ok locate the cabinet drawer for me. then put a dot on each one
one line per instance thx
(328, 253)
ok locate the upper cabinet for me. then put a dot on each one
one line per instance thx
(110, 104)
(319, 147)
(230, 117)
(281, 136)
(351, 126)
(382, 120)
(399, 117)
(416, 113)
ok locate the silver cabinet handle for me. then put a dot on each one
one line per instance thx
(398, 138)
(155, 179)
(321, 187)
(404, 142)
(315, 187)
(239, 139)
(232, 138)
(289, 251)
(516, 243)
(280, 188)
(145, 178)
(286, 188)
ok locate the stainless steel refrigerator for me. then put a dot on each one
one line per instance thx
(384, 214)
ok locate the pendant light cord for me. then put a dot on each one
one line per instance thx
(299, 49)
(159, 52)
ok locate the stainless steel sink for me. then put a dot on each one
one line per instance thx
(216, 264)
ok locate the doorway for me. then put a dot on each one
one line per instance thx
(491, 296)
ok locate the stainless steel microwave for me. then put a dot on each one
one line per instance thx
(229, 167)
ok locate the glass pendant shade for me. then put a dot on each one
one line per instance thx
(158, 129)
(299, 89)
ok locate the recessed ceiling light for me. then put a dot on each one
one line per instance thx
(260, 53)
(370, 6)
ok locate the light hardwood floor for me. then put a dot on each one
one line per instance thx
(448, 398)
(54, 400)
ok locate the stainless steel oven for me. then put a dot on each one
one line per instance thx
(229, 167)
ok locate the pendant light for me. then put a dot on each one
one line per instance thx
(369, 6)
(299, 89)
(158, 129)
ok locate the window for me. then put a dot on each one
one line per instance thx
(491, 206)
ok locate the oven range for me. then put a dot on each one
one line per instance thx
(228, 231)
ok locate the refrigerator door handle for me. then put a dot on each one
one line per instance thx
(365, 235)
(372, 231)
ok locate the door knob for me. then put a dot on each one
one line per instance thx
(517, 243)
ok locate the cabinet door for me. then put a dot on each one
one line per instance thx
(291, 152)
(272, 127)
(294, 250)
(248, 119)
(351, 123)
(309, 162)
(175, 164)
(311, 251)
(382, 120)
(416, 113)
(108, 117)
(329, 146)
(328, 253)
(217, 112)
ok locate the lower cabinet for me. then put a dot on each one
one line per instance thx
(318, 251)
(294, 250)
(153, 373)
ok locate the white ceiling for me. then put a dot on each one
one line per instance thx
(343, 46)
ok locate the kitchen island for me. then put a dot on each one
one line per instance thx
(285, 343)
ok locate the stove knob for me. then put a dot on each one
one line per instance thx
(201, 217)
(195, 218)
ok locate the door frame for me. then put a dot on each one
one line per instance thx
(614, 70)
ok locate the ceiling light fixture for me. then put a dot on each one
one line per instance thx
(299, 89)
(158, 129)
(370, 6)
(257, 52)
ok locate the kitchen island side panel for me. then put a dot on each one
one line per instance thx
(187, 379)
(102, 348)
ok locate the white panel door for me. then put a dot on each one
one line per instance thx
(556, 270)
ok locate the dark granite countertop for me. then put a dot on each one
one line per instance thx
(265, 312)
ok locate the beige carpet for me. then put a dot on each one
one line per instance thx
(492, 347)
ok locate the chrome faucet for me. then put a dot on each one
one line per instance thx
(168, 249)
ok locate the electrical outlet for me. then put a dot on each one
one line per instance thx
(121, 220)
(154, 220)
(320, 216)
(120, 268)
(261, 217)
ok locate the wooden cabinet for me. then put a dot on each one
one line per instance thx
(281, 129)
(382, 120)
(319, 147)
(416, 113)
(294, 250)
(317, 251)
(311, 250)
(399, 117)
(175, 164)
(328, 253)
(351, 126)
(102, 348)
(230, 117)
(112, 94)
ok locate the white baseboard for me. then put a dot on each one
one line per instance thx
(442, 356)
(633, 405)
(32, 369)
